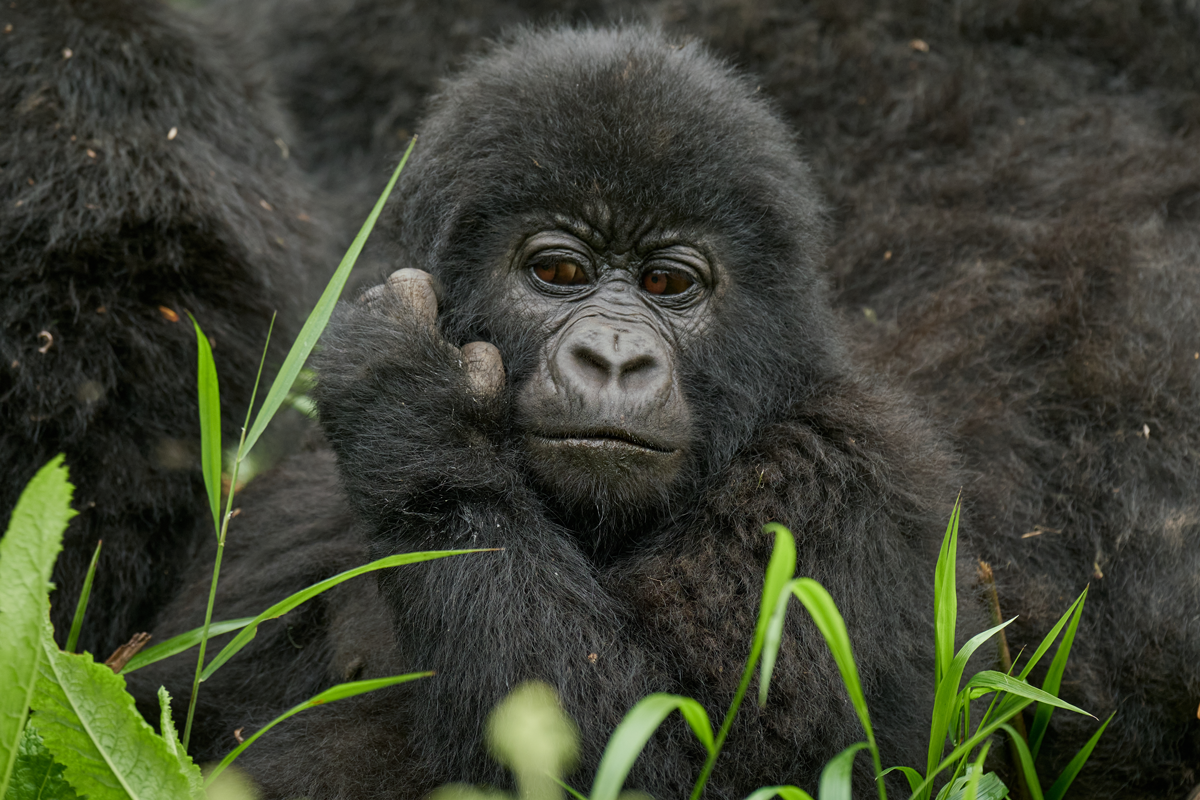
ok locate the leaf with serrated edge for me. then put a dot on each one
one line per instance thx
(37, 776)
(90, 724)
(27, 554)
(167, 725)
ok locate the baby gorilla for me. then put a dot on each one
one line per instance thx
(609, 354)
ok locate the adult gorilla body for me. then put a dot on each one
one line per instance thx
(674, 381)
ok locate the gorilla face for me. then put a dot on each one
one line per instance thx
(604, 408)
(639, 242)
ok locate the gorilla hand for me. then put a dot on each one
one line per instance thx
(413, 294)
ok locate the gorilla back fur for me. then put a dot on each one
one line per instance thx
(139, 180)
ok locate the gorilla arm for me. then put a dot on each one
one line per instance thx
(417, 426)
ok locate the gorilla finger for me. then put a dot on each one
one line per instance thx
(485, 368)
(416, 289)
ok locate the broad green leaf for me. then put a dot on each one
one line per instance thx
(27, 554)
(84, 596)
(829, 621)
(998, 681)
(167, 725)
(339, 692)
(635, 730)
(945, 595)
(531, 735)
(783, 792)
(1041, 718)
(772, 610)
(835, 783)
(1060, 786)
(319, 318)
(1051, 636)
(1028, 770)
(184, 641)
(210, 423)
(304, 595)
(90, 724)
(37, 776)
(945, 701)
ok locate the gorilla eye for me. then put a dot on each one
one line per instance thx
(560, 273)
(662, 281)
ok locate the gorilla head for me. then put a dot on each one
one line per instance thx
(638, 238)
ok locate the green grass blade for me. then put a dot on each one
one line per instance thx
(914, 777)
(783, 792)
(836, 777)
(27, 554)
(1006, 712)
(998, 681)
(945, 702)
(319, 318)
(184, 641)
(566, 787)
(635, 730)
(339, 692)
(1052, 635)
(768, 633)
(1041, 718)
(945, 595)
(1026, 761)
(971, 790)
(304, 595)
(84, 595)
(829, 621)
(210, 422)
(1060, 786)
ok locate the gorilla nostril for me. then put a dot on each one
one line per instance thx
(592, 363)
(637, 370)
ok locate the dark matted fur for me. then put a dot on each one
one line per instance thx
(1013, 195)
(105, 218)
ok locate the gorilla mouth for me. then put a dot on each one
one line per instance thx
(606, 438)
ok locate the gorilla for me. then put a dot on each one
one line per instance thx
(622, 331)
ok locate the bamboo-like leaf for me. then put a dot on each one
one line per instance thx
(210, 423)
(829, 621)
(1026, 759)
(319, 318)
(835, 782)
(1041, 718)
(1006, 712)
(1060, 786)
(304, 595)
(84, 595)
(782, 792)
(1052, 635)
(998, 681)
(945, 595)
(333, 693)
(27, 554)
(946, 699)
(914, 778)
(184, 641)
(768, 633)
(635, 730)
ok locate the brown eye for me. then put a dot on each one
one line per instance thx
(661, 281)
(561, 273)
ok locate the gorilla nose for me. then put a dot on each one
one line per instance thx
(598, 357)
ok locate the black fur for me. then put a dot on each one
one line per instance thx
(106, 220)
(1012, 211)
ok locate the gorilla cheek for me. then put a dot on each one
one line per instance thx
(603, 414)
